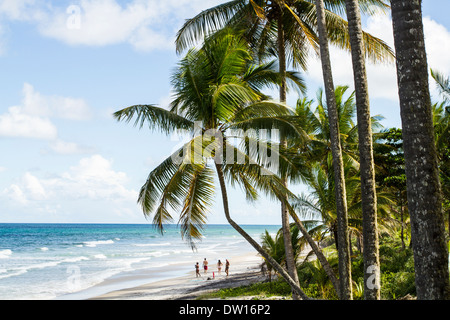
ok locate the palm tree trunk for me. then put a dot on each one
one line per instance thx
(295, 287)
(402, 235)
(367, 168)
(422, 175)
(318, 252)
(341, 202)
(289, 252)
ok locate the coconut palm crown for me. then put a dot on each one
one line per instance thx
(216, 100)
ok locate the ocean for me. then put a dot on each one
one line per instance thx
(71, 261)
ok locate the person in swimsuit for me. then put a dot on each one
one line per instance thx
(227, 266)
(205, 265)
(219, 266)
(197, 270)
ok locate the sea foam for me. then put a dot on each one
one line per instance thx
(4, 254)
(98, 242)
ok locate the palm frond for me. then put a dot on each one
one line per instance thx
(442, 84)
(375, 49)
(369, 7)
(198, 201)
(206, 22)
(256, 175)
(155, 117)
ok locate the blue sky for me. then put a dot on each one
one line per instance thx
(65, 159)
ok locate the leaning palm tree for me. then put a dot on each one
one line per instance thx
(285, 29)
(422, 173)
(216, 98)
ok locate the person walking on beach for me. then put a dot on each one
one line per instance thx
(205, 265)
(219, 266)
(227, 266)
(197, 270)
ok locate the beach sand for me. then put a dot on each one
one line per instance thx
(244, 270)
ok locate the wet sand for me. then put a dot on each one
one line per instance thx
(243, 270)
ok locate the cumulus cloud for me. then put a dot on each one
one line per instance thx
(62, 147)
(36, 104)
(16, 123)
(144, 24)
(382, 78)
(19, 9)
(93, 178)
(33, 119)
(101, 22)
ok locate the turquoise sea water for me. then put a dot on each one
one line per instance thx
(50, 261)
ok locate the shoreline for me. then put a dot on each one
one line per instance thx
(170, 285)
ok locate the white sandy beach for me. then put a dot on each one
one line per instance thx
(244, 269)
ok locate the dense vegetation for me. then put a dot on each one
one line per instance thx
(367, 184)
(397, 277)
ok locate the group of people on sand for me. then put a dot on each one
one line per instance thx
(205, 267)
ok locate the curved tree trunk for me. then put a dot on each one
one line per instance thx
(341, 201)
(367, 168)
(422, 175)
(295, 287)
(318, 252)
(289, 252)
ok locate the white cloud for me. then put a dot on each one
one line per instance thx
(93, 178)
(382, 78)
(18, 9)
(102, 22)
(144, 24)
(59, 146)
(437, 39)
(16, 123)
(16, 194)
(31, 119)
(29, 188)
(37, 104)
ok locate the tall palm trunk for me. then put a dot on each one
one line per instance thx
(341, 201)
(295, 287)
(422, 176)
(367, 168)
(289, 252)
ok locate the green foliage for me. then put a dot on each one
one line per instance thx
(397, 285)
(264, 289)
(396, 268)
(314, 280)
(397, 276)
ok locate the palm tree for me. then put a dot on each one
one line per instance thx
(422, 173)
(315, 123)
(367, 167)
(338, 165)
(441, 121)
(285, 29)
(275, 246)
(215, 92)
